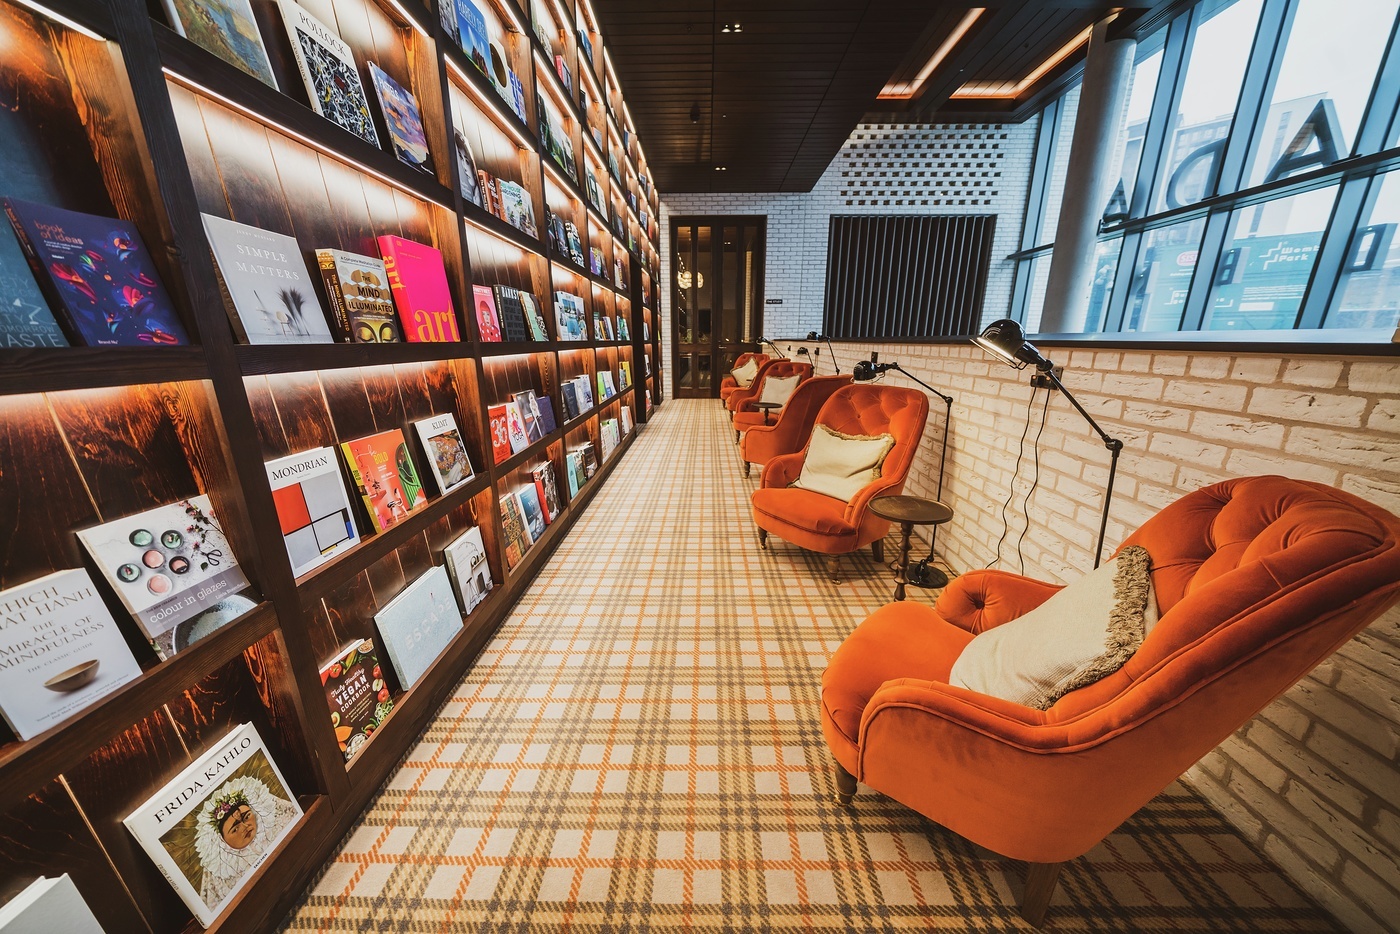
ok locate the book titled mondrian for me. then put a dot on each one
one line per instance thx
(328, 70)
(313, 508)
(418, 281)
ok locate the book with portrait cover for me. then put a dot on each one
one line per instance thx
(402, 119)
(356, 694)
(531, 510)
(515, 429)
(328, 69)
(49, 906)
(524, 402)
(500, 432)
(467, 181)
(267, 283)
(585, 392)
(362, 306)
(418, 624)
(511, 313)
(514, 531)
(216, 822)
(534, 318)
(313, 508)
(227, 29)
(385, 476)
(575, 244)
(60, 651)
(447, 453)
(96, 275)
(173, 570)
(488, 322)
(548, 490)
(468, 568)
(418, 281)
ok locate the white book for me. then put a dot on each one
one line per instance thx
(313, 508)
(274, 301)
(214, 824)
(328, 69)
(446, 451)
(419, 624)
(468, 568)
(48, 906)
(60, 651)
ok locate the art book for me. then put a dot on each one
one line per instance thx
(544, 410)
(569, 317)
(467, 181)
(488, 323)
(385, 476)
(585, 392)
(534, 318)
(173, 570)
(570, 393)
(215, 823)
(516, 208)
(96, 275)
(419, 624)
(362, 306)
(419, 283)
(60, 651)
(49, 906)
(516, 534)
(402, 119)
(515, 427)
(356, 694)
(573, 472)
(25, 319)
(468, 568)
(595, 261)
(626, 412)
(328, 69)
(267, 283)
(490, 192)
(575, 244)
(447, 453)
(500, 432)
(313, 508)
(529, 414)
(548, 491)
(471, 33)
(624, 333)
(511, 313)
(226, 28)
(531, 511)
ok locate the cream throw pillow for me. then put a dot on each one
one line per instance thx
(778, 389)
(841, 465)
(745, 374)
(1082, 634)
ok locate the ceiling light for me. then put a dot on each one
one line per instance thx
(721, 168)
(906, 90)
(731, 27)
(1002, 89)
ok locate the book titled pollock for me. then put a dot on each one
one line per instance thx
(418, 281)
(403, 120)
(267, 284)
(328, 69)
(96, 275)
(385, 476)
(362, 305)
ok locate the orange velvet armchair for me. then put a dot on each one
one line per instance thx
(729, 383)
(788, 435)
(822, 523)
(743, 414)
(1257, 581)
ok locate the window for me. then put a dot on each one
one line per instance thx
(1166, 262)
(1368, 293)
(1055, 181)
(1130, 136)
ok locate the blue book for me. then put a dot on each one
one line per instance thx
(97, 276)
(418, 624)
(471, 34)
(529, 499)
(546, 410)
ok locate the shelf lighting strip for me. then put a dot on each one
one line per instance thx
(524, 251)
(566, 21)
(1012, 91)
(288, 131)
(60, 19)
(910, 89)
(504, 122)
(409, 19)
(559, 181)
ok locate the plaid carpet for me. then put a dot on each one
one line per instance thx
(639, 748)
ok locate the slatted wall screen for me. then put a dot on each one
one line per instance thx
(915, 275)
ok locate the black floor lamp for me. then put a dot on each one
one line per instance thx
(1006, 341)
(814, 336)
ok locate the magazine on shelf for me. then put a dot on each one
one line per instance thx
(531, 510)
(226, 28)
(488, 323)
(573, 472)
(534, 318)
(419, 285)
(544, 410)
(626, 420)
(468, 183)
(471, 29)
(313, 508)
(515, 428)
(516, 208)
(500, 432)
(419, 624)
(569, 392)
(524, 402)
(575, 244)
(447, 452)
(511, 312)
(48, 906)
(356, 694)
(585, 392)
(25, 318)
(569, 316)
(402, 119)
(515, 533)
(267, 283)
(328, 70)
(548, 489)
(384, 474)
(362, 306)
(468, 568)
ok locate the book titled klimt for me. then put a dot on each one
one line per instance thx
(418, 281)
(447, 453)
(356, 694)
(313, 508)
(60, 651)
(49, 906)
(214, 824)
(385, 476)
(362, 305)
(418, 624)
(328, 70)
(267, 282)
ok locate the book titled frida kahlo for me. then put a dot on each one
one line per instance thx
(214, 824)
(328, 69)
(419, 284)
(384, 473)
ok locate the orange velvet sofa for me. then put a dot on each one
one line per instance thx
(729, 383)
(822, 523)
(743, 414)
(788, 435)
(1257, 581)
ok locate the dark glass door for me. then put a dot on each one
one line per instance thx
(716, 297)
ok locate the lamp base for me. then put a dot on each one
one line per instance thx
(924, 574)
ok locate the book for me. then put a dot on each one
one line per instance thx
(227, 29)
(607, 430)
(515, 429)
(511, 313)
(544, 409)
(402, 119)
(419, 285)
(575, 244)
(590, 461)
(490, 192)
(471, 29)
(60, 651)
(624, 333)
(531, 510)
(328, 70)
(467, 180)
(585, 392)
(516, 535)
(49, 906)
(516, 208)
(500, 432)
(96, 275)
(626, 420)
(517, 96)
(606, 389)
(313, 508)
(447, 15)
(210, 827)
(569, 317)
(569, 392)
(624, 373)
(585, 45)
(357, 289)
(356, 694)
(595, 193)
(534, 318)
(173, 570)
(488, 323)
(25, 319)
(447, 453)
(267, 284)
(468, 569)
(595, 261)
(573, 472)
(418, 625)
(529, 414)
(384, 474)
(548, 490)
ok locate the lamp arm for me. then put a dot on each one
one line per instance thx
(831, 350)
(1110, 442)
(948, 400)
(764, 340)
(1115, 447)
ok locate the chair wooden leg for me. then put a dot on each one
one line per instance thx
(833, 568)
(747, 467)
(1040, 886)
(736, 436)
(845, 786)
(763, 538)
(877, 548)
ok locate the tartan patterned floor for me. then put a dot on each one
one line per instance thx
(639, 748)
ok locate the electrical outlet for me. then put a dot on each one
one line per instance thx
(1040, 381)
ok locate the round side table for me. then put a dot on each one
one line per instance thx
(910, 511)
(766, 407)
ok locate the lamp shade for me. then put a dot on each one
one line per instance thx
(1006, 341)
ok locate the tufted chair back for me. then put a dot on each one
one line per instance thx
(873, 409)
(780, 368)
(728, 384)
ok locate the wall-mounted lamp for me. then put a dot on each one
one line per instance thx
(814, 336)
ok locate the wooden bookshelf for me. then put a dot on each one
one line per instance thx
(125, 117)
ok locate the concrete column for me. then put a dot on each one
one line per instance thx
(1089, 180)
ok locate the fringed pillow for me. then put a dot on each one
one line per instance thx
(840, 465)
(744, 375)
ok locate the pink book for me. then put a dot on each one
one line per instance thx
(487, 320)
(419, 284)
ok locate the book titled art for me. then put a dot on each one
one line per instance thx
(49, 906)
(328, 69)
(447, 453)
(488, 323)
(418, 624)
(468, 568)
(500, 432)
(214, 824)
(356, 694)
(418, 281)
(402, 119)
(385, 476)
(96, 275)
(173, 570)
(267, 283)
(227, 29)
(313, 509)
(60, 651)
(362, 305)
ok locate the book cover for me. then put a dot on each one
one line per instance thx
(626, 420)
(447, 453)
(173, 570)
(570, 393)
(605, 385)
(544, 410)
(529, 414)
(418, 624)
(49, 906)
(402, 119)
(561, 68)
(517, 96)
(447, 15)
(624, 373)
(575, 244)
(356, 694)
(215, 823)
(488, 322)
(531, 511)
(227, 29)
(385, 476)
(595, 193)
(573, 472)
(25, 319)
(607, 431)
(468, 568)
(516, 535)
(328, 70)
(357, 289)
(490, 192)
(467, 180)
(515, 428)
(595, 261)
(511, 313)
(516, 208)
(569, 317)
(590, 461)
(267, 283)
(500, 432)
(534, 318)
(60, 651)
(419, 285)
(585, 45)
(585, 392)
(313, 508)
(548, 490)
(96, 275)
(624, 333)
(471, 34)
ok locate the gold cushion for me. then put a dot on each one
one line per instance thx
(840, 465)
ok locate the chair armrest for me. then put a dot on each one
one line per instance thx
(885, 486)
(980, 600)
(782, 470)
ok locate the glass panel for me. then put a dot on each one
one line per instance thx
(1214, 72)
(1162, 278)
(702, 375)
(1264, 268)
(732, 286)
(685, 284)
(1038, 271)
(1105, 267)
(1324, 81)
(1130, 137)
(1059, 165)
(704, 284)
(683, 372)
(1368, 295)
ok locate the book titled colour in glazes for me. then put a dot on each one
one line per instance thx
(385, 476)
(357, 287)
(418, 624)
(356, 694)
(216, 822)
(328, 69)
(419, 284)
(312, 508)
(268, 284)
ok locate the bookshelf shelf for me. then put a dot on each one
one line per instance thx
(261, 359)
(468, 77)
(52, 368)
